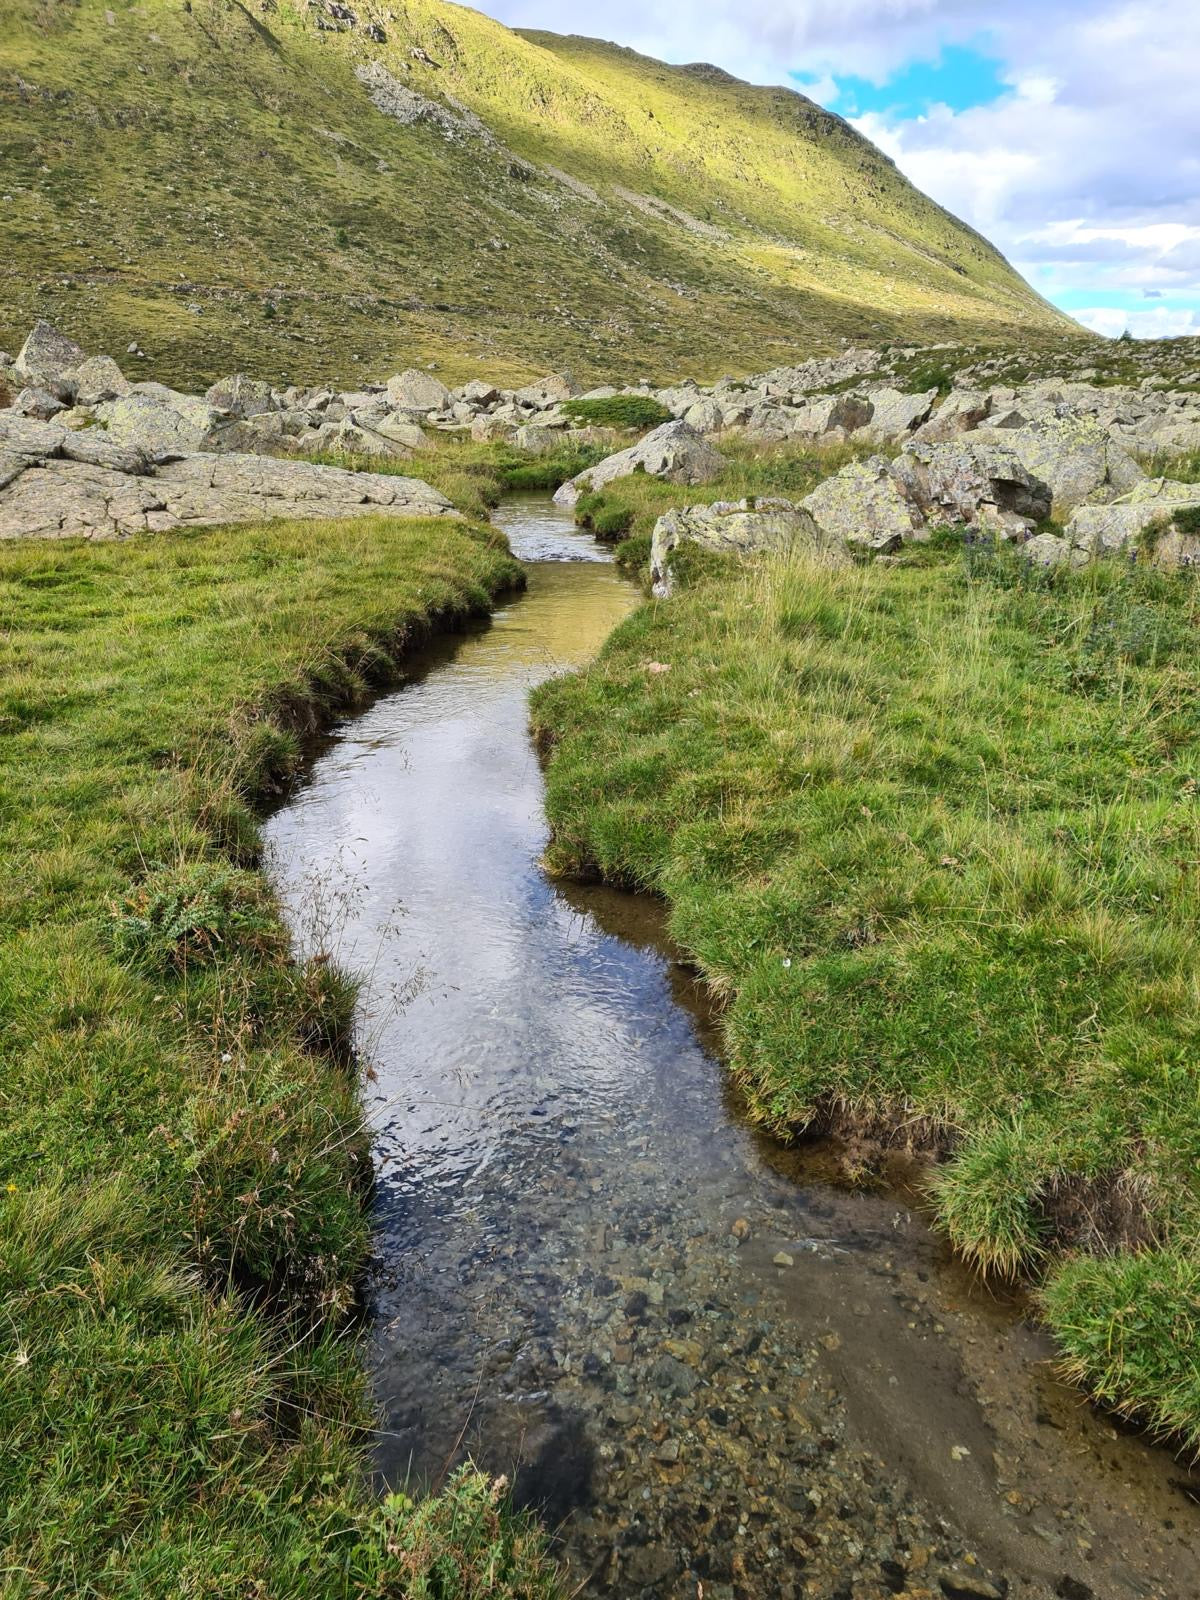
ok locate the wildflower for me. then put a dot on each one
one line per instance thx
(10, 1188)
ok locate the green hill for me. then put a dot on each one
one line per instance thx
(300, 186)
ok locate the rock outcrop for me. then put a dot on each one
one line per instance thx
(673, 451)
(57, 484)
(894, 415)
(866, 506)
(47, 358)
(973, 480)
(158, 420)
(1100, 530)
(417, 391)
(740, 527)
(1077, 457)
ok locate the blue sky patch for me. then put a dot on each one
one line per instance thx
(1133, 299)
(961, 77)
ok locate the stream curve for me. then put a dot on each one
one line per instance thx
(714, 1372)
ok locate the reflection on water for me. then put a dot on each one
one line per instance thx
(559, 1291)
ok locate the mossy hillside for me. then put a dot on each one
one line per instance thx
(931, 833)
(218, 187)
(182, 1154)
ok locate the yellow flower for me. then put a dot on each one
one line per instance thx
(10, 1188)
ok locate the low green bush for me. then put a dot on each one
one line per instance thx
(633, 554)
(930, 377)
(619, 411)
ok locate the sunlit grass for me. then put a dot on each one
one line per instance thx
(932, 833)
(182, 1151)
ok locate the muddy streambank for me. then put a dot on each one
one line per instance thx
(714, 1371)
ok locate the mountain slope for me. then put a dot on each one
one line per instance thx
(311, 185)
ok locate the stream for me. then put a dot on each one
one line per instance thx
(716, 1373)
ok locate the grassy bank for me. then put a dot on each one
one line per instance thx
(182, 1156)
(932, 832)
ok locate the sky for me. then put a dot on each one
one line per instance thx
(1067, 131)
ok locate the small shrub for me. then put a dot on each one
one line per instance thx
(1187, 519)
(944, 536)
(930, 377)
(191, 915)
(620, 411)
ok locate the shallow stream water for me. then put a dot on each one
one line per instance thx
(715, 1372)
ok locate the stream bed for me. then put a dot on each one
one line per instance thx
(715, 1372)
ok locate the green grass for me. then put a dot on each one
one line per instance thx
(476, 476)
(213, 182)
(182, 1151)
(1165, 464)
(931, 833)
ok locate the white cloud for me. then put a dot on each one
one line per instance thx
(1085, 170)
(1161, 323)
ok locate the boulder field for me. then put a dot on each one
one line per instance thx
(1053, 462)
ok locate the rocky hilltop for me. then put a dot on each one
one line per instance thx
(326, 184)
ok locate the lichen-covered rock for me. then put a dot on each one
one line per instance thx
(962, 411)
(894, 415)
(1049, 550)
(1173, 436)
(47, 358)
(737, 527)
(673, 451)
(242, 395)
(549, 391)
(1078, 458)
(770, 421)
(479, 393)
(705, 416)
(844, 413)
(953, 482)
(38, 403)
(97, 379)
(865, 506)
(415, 391)
(1120, 525)
(679, 400)
(401, 432)
(160, 421)
(56, 483)
(486, 428)
(538, 441)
